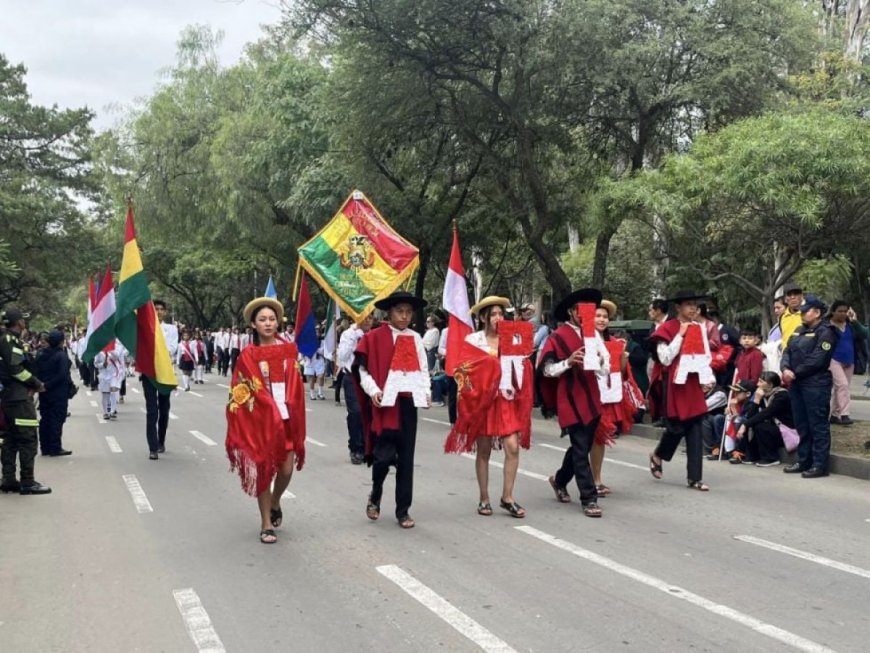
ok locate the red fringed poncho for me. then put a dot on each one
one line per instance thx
(258, 439)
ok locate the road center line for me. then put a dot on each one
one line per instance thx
(114, 447)
(203, 438)
(89, 393)
(222, 385)
(804, 555)
(524, 472)
(172, 415)
(288, 495)
(316, 443)
(197, 622)
(769, 630)
(139, 499)
(445, 610)
(93, 403)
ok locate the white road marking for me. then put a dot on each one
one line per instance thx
(196, 394)
(309, 410)
(524, 472)
(222, 385)
(288, 495)
(100, 418)
(142, 408)
(444, 610)
(93, 403)
(203, 438)
(607, 460)
(316, 443)
(769, 630)
(197, 622)
(89, 393)
(436, 421)
(114, 447)
(551, 446)
(136, 390)
(139, 499)
(812, 557)
(172, 415)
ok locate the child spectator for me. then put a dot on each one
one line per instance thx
(750, 361)
(739, 409)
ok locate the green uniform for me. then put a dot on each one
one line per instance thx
(21, 437)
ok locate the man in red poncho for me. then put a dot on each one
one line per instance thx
(682, 347)
(570, 389)
(392, 372)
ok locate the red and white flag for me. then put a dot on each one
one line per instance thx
(455, 302)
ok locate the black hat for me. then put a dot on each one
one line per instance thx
(12, 315)
(582, 296)
(791, 286)
(401, 297)
(685, 296)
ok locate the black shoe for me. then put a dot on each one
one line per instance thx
(794, 468)
(11, 486)
(845, 420)
(35, 488)
(835, 420)
(161, 449)
(61, 452)
(659, 423)
(814, 472)
(152, 455)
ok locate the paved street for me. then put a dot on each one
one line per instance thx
(129, 554)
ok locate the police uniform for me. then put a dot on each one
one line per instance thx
(21, 437)
(808, 356)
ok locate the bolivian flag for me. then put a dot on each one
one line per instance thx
(357, 258)
(136, 323)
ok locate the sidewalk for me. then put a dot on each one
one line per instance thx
(858, 390)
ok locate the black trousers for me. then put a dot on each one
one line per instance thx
(52, 415)
(451, 399)
(234, 356)
(769, 441)
(397, 448)
(355, 442)
(19, 440)
(339, 381)
(223, 357)
(575, 463)
(156, 416)
(674, 432)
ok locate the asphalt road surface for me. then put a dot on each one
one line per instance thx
(129, 554)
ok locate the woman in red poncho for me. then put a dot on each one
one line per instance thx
(266, 415)
(620, 396)
(487, 414)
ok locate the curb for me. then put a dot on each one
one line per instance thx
(844, 465)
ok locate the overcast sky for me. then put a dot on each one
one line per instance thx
(106, 53)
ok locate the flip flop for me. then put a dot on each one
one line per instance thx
(373, 510)
(267, 536)
(655, 468)
(515, 509)
(699, 485)
(592, 510)
(407, 522)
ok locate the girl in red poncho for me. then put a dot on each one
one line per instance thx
(266, 415)
(489, 415)
(620, 396)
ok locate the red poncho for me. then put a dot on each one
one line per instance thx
(679, 401)
(574, 395)
(258, 439)
(481, 410)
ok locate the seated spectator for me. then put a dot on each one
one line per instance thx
(749, 363)
(716, 401)
(770, 419)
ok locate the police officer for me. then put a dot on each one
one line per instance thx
(19, 410)
(805, 366)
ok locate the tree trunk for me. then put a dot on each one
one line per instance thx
(420, 284)
(599, 264)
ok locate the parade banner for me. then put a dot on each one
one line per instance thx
(455, 302)
(305, 335)
(357, 258)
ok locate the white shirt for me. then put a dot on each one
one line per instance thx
(431, 338)
(235, 341)
(442, 343)
(558, 369)
(369, 386)
(347, 346)
(170, 334)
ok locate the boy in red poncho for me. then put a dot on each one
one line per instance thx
(683, 350)
(569, 388)
(266, 415)
(392, 371)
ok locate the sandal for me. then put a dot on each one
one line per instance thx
(276, 517)
(484, 509)
(515, 509)
(699, 485)
(592, 510)
(373, 510)
(267, 536)
(655, 468)
(602, 490)
(562, 495)
(406, 522)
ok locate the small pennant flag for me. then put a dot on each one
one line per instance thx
(270, 289)
(306, 332)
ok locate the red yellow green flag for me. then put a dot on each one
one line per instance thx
(357, 258)
(136, 324)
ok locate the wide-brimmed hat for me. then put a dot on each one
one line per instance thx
(254, 304)
(685, 296)
(401, 297)
(491, 300)
(582, 296)
(610, 307)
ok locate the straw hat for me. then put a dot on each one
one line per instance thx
(610, 307)
(254, 304)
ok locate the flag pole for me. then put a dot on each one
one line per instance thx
(296, 281)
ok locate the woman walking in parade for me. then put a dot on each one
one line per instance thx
(492, 414)
(266, 415)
